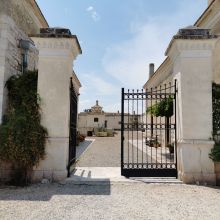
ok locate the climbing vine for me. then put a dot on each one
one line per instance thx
(216, 111)
(22, 138)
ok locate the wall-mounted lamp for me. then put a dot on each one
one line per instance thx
(26, 45)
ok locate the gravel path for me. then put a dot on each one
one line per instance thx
(117, 201)
(104, 152)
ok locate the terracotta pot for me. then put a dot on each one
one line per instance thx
(217, 172)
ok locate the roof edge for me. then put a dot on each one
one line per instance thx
(38, 12)
(77, 79)
(204, 13)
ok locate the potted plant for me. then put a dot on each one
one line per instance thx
(152, 142)
(171, 148)
(215, 156)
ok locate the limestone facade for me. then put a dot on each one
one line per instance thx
(194, 62)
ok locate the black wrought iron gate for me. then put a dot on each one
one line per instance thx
(72, 127)
(148, 132)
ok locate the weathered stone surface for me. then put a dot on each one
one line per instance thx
(11, 55)
(26, 15)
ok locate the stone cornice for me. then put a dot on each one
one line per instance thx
(74, 37)
(176, 46)
(58, 46)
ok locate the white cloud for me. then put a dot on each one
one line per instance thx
(90, 8)
(113, 107)
(93, 13)
(98, 86)
(128, 61)
(84, 104)
(94, 87)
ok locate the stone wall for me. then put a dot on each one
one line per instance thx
(11, 55)
(11, 64)
(25, 14)
(18, 18)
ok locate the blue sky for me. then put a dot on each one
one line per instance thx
(119, 38)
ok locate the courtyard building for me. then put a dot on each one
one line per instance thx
(95, 118)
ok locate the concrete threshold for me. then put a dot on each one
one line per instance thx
(110, 175)
(168, 180)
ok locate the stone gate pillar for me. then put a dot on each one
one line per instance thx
(55, 67)
(192, 67)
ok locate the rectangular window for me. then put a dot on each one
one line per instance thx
(96, 119)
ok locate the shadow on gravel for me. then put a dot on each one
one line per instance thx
(83, 147)
(40, 192)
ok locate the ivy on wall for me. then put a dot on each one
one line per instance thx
(22, 138)
(216, 111)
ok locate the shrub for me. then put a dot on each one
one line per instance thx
(163, 108)
(215, 153)
(22, 138)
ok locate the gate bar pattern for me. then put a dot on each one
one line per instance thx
(72, 127)
(148, 132)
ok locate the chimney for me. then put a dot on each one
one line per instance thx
(97, 102)
(151, 70)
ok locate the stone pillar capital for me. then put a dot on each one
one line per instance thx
(57, 47)
(190, 48)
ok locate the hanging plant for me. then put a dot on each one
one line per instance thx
(163, 108)
(22, 138)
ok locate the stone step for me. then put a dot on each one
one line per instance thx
(110, 175)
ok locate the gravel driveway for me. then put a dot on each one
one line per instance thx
(118, 201)
(109, 200)
(104, 152)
